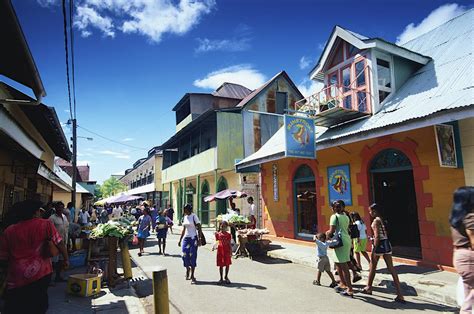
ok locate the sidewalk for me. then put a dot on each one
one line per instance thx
(121, 299)
(435, 285)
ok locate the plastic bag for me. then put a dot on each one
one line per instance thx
(135, 240)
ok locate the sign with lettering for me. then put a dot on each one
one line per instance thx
(339, 182)
(299, 137)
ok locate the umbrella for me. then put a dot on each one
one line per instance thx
(107, 200)
(225, 194)
(125, 198)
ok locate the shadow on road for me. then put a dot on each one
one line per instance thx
(388, 303)
(237, 285)
(270, 260)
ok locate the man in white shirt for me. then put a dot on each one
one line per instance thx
(252, 212)
(117, 212)
(84, 217)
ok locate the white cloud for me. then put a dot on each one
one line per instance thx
(122, 156)
(47, 3)
(321, 46)
(242, 74)
(305, 62)
(128, 139)
(308, 87)
(67, 111)
(87, 16)
(232, 45)
(437, 17)
(118, 155)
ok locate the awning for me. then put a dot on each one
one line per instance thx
(60, 178)
(273, 149)
(141, 189)
(17, 61)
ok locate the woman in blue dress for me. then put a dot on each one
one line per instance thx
(162, 223)
(190, 241)
(144, 225)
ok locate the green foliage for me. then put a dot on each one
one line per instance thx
(97, 192)
(112, 186)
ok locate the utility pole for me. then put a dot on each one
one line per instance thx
(74, 162)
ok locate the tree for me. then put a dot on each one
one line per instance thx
(97, 192)
(112, 186)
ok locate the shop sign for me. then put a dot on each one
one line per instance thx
(299, 137)
(446, 145)
(339, 179)
(275, 182)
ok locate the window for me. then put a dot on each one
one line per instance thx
(333, 82)
(347, 101)
(360, 73)
(362, 101)
(281, 102)
(346, 79)
(384, 79)
(351, 50)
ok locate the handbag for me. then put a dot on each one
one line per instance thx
(354, 231)
(49, 249)
(336, 240)
(384, 246)
(202, 239)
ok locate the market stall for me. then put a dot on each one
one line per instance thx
(250, 243)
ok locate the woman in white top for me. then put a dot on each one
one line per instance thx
(360, 243)
(190, 233)
(252, 213)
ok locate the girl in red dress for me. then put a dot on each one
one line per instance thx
(224, 252)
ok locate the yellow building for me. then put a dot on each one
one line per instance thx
(399, 125)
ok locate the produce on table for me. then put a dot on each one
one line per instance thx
(113, 228)
(233, 218)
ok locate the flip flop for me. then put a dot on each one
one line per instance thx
(227, 281)
(193, 280)
(366, 291)
(317, 283)
(347, 294)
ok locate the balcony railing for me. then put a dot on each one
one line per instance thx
(335, 104)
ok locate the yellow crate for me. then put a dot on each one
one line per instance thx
(83, 285)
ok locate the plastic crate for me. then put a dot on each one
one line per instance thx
(77, 259)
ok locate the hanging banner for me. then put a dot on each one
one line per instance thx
(275, 182)
(339, 179)
(446, 145)
(299, 137)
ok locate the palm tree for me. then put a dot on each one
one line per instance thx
(112, 186)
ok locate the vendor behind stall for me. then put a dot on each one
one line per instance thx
(252, 210)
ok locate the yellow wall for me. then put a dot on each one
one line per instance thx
(466, 129)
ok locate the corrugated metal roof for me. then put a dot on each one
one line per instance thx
(231, 90)
(444, 83)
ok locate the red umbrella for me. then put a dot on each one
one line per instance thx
(225, 194)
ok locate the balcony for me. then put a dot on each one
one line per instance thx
(203, 162)
(335, 104)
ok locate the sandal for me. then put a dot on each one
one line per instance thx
(347, 294)
(366, 291)
(338, 289)
(193, 280)
(140, 254)
(317, 283)
(356, 279)
(332, 285)
(220, 282)
(400, 300)
(227, 281)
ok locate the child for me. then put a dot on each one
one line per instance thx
(323, 260)
(224, 252)
(360, 243)
(143, 230)
(161, 229)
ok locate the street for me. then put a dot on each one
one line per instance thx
(267, 285)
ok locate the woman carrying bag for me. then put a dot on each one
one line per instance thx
(341, 242)
(27, 246)
(381, 247)
(191, 238)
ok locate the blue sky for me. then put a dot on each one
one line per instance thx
(135, 59)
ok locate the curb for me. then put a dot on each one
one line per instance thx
(437, 295)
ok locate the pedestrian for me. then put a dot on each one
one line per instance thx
(339, 224)
(62, 226)
(381, 247)
(462, 231)
(161, 228)
(352, 264)
(323, 263)
(29, 268)
(253, 220)
(48, 210)
(71, 212)
(144, 225)
(190, 241)
(170, 214)
(224, 252)
(84, 217)
(154, 215)
(360, 243)
(104, 215)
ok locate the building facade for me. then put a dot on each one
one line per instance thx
(399, 131)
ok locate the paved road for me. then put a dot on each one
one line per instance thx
(267, 285)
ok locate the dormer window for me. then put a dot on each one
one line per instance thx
(384, 79)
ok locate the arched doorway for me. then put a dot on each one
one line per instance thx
(393, 188)
(204, 205)
(221, 206)
(304, 191)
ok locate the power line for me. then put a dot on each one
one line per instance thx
(111, 140)
(67, 57)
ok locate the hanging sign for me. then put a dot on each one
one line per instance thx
(275, 182)
(299, 137)
(339, 182)
(446, 145)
